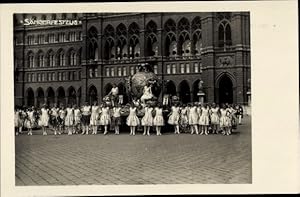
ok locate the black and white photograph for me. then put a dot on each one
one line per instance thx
(132, 98)
(149, 98)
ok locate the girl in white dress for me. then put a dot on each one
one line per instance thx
(61, 119)
(232, 118)
(30, 120)
(69, 121)
(22, 115)
(147, 120)
(86, 114)
(77, 118)
(184, 120)
(204, 119)
(18, 120)
(174, 118)
(193, 119)
(54, 118)
(158, 120)
(214, 113)
(44, 119)
(105, 118)
(147, 93)
(94, 120)
(224, 120)
(116, 118)
(132, 120)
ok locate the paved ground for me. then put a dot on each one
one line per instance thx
(124, 159)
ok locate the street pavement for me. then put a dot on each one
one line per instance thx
(124, 159)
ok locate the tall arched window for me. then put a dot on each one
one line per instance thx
(51, 38)
(197, 36)
(50, 59)
(41, 39)
(171, 42)
(61, 58)
(72, 58)
(224, 34)
(109, 52)
(122, 50)
(184, 37)
(61, 37)
(40, 59)
(30, 58)
(151, 39)
(134, 46)
(92, 44)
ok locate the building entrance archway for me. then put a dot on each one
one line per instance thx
(225, 90)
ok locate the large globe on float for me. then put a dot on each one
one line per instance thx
(139, 80)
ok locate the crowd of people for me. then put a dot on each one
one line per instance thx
(193, 118)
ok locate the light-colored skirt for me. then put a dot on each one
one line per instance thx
(19, 122)
(69, 121)
(173, 119)
(29, 124)
(77, 120)
(193, 119)
(44, 121)
(214, 119)
(158, 121)
(224, 121)
(104, 120)
(132, 121)
(204, 120)
(94, 120)
(147, 120)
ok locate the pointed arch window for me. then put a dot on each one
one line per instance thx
(151, 39)
(31, 60)
(224, 32)
(171, 42)
(40, 59)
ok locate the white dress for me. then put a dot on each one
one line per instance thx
(77, 116)
(174, 117)
(204, 118)
(69, 121)
(147, 120)
(94, 116)
(132, 119)
(158, 119)
(147, 93)
(224, 119)
(105, 117)
(17, 118)
(184, 116)
(44, 121)
(231, 116)
(193, 116)
(29, 122)
(214, 116)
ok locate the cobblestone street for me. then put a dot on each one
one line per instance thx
(125, 159)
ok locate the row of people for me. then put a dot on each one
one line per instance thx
(196, 118)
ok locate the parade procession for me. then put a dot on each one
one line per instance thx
(143, 113)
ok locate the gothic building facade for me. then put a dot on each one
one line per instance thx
(77, 62)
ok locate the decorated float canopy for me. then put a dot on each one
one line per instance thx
(144, 77)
